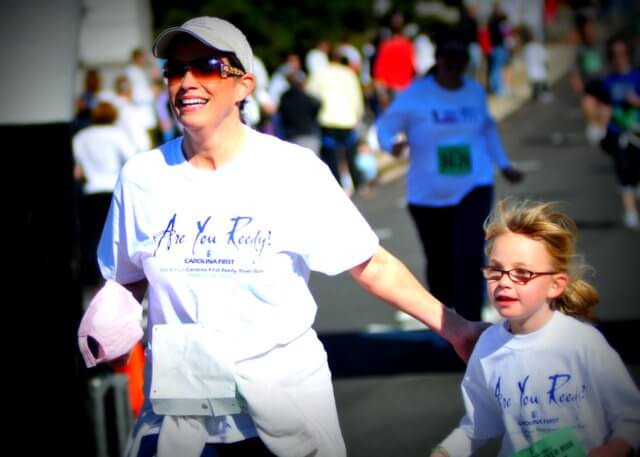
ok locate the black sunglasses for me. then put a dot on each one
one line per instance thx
(208, 67)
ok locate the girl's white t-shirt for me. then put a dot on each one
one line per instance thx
(522, 387)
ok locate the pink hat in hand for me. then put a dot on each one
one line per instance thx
(113, 321)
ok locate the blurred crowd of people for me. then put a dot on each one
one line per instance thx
(329, 98)
(605, 76)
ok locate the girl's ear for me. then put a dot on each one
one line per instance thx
(559, 282)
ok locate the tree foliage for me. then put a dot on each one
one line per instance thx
(277, 27)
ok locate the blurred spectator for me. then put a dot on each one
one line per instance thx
(347, 50)
(298, 112)
(169, 128)
(142, 95)
(260, 102)
(279, 82)
(498, 29)
(586, 76)
(130, 119)
(367, 163)
(341, 113)
(318, 57)
(394, 67)
(454, 144)
(622, 141)
(99, 151)
(88, 99)
(485, 45)
(468, 24)
(536, 62)
(425, 52)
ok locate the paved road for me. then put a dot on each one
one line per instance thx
(407, 412)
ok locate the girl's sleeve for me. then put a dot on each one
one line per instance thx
(482, 420)
(619, 393)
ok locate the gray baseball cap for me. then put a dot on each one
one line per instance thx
(212, 31)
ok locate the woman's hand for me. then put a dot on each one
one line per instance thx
(398, 149)
(464, 335)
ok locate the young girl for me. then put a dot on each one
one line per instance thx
(543, 368)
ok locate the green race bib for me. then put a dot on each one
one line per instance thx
(454, 160)
(591, 62)
(561, 443)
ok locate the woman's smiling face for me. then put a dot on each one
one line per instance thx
(197, 100)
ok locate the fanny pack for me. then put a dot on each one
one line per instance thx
(192, 372)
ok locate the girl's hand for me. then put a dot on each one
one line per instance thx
(439, 451)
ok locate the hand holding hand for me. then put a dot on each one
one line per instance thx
(466, 337)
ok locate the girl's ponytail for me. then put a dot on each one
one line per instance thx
(578, 300)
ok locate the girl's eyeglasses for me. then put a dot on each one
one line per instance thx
(517, 275)
(205, 68)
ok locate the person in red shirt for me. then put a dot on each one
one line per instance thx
(394, 66)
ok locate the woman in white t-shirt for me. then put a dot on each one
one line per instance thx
(222, 235)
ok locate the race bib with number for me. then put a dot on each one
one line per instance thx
(562, 443)
(192, 373)
(454, 160)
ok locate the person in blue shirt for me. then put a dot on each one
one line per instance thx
(622, 141)
(453, 145)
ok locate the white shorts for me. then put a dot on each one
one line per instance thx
(290, 399)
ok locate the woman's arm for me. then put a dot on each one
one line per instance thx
(387, 278)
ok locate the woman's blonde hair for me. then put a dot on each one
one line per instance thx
(557, 231)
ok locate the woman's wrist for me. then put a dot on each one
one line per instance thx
(453, 325)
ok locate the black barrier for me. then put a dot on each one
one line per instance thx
(361, 354)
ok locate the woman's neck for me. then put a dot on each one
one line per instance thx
(449, 83)
(212, 150)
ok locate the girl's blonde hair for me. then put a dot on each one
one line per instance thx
(544, 222)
